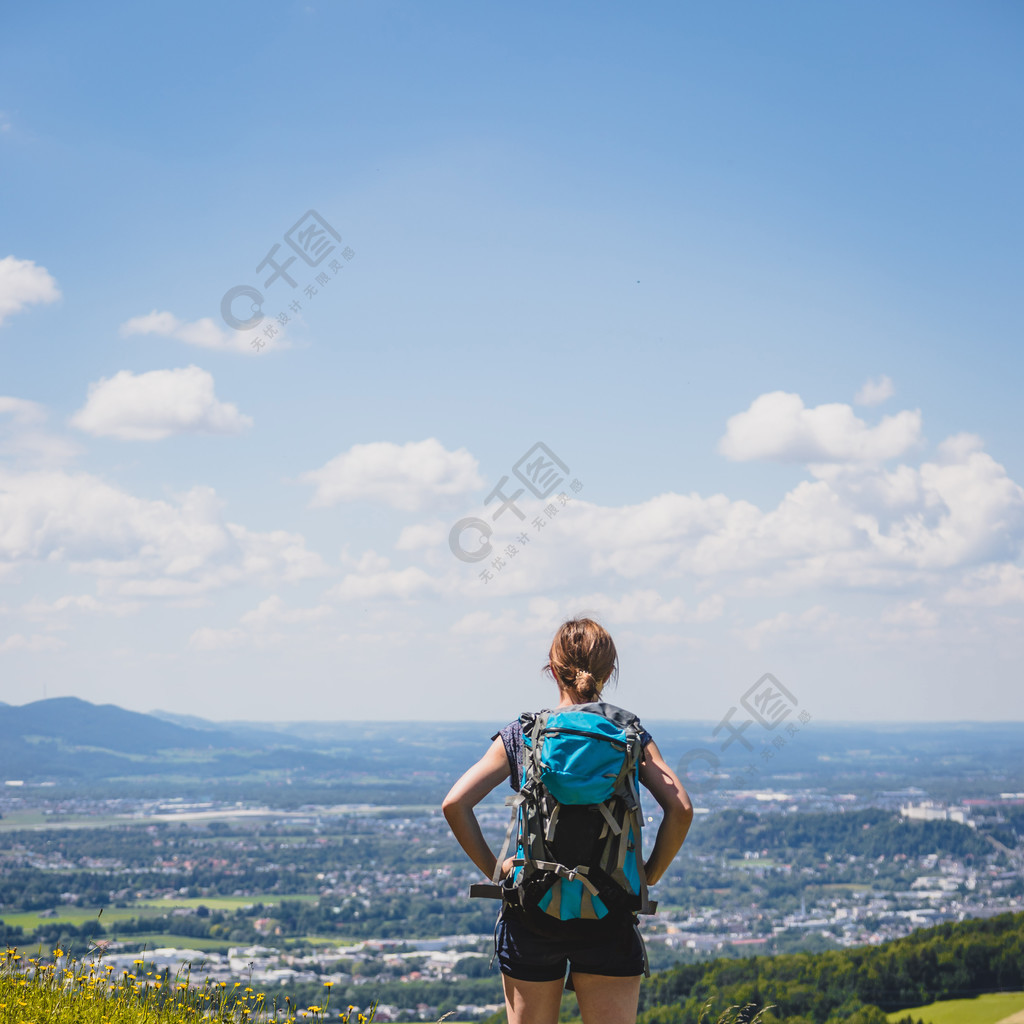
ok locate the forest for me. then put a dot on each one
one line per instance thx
(855, 986)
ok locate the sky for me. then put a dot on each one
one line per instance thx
(348, 348)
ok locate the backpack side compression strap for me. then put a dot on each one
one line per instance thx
(485, 890)
(513, 802)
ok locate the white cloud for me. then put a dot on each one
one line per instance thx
(778, 426)
(367, 562)
(543, 614)
(634, 606)
(423, 535)
(542, 617)
(139, 547)
(273, 611)
(207, 639)
(34, 644)
(23, 284)
(21, 436)
(914, 613)
(857, 526)
(989, 586)
(400, 583)
(816, 620)
(256, 627)
(874, 392)
(79, 602)
(204, 333)
(403, 476)
(151, 406)
(21, 410)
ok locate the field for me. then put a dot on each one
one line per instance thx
(151, 941)
(987, 1009)
(29, 919)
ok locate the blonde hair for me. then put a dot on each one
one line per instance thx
(582, 658)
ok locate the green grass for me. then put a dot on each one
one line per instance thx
(36, 990)
(153, 940)
(842, 887)
(986, 1009)
(38, 822)
(29, 920)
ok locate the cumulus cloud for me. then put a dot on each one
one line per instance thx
(875, 391)
(856, 526)
(206, 639)
(778, 426)
(647, 606)
(398, 583)
(273, 611)
(423, 535)
(23, 284)
(634, 608)
(152, 406)
(138, 547)
(989, 586)
(34, 644)
(541, 618)
(21, 410)
(37, 608)
(914, 613)
(816, 620)
(204, 333)
(403, 476)
(22, 435)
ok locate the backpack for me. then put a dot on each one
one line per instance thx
(577, 820)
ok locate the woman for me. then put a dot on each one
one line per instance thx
(606, 972)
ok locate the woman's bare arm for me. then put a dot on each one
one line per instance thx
(488, 772)
(675, 803)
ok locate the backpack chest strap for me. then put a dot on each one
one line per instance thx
(571, 874)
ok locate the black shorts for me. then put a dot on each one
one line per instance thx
(527, 956)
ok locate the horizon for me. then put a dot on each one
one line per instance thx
(823, 722)
(334, 399)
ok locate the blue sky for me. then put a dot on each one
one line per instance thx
(750, 272)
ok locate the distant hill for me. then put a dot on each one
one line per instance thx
(103, 726)
(70, 739)
(246, 732)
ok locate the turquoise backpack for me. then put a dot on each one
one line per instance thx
(579, 859)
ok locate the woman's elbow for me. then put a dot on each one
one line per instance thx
(681, 815)
(450, 807)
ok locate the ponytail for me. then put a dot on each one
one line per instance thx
(586, 686)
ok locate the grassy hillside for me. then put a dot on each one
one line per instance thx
(987, 1009)
(62, 991)
(854, 986)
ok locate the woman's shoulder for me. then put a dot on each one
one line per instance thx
(510, 731)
